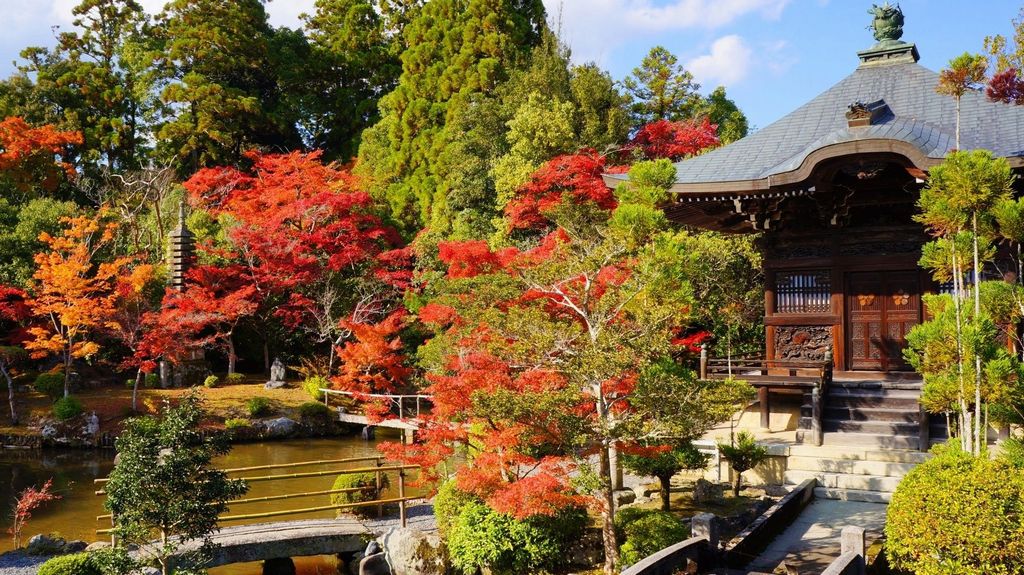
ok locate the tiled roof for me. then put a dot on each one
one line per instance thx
(917, 115)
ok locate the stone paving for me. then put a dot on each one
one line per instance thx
(811, 542)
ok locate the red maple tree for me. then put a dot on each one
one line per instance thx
(672, 140)
(26, 503)
(575, 178)
(27, 153)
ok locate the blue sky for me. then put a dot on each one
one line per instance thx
(772, 55)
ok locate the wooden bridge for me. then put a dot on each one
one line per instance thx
(406, 410)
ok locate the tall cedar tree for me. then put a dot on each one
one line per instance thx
(99, 81)
(74, 292)
(221, 77)
(457, 51)
(355, 50)
(661, 88)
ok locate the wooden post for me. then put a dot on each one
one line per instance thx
(401, 496)
(762, 399)
(816, 434)
(923, 430)
(703, 361)
(380, 508)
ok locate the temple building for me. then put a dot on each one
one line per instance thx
(832, 188)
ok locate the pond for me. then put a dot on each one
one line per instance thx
(73, 472)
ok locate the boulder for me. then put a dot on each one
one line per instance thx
(705, 492)
(624, 497)
(352, 563)
(44, 545)
(97, 546)
(277, 370)
(278, 427)
(75, 546)
(414, 552)
(587, 551)
(274, 384)
(374, 565)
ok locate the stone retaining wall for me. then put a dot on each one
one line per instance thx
(752, 540)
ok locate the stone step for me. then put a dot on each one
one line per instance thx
(843, 480)
(878, 427)
(913, 384)
(858, 453)
(872, 414)
(849, 466)
(852, 495)
(910, 405)
(887, 441)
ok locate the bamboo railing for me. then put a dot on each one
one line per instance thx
(380, 470)
(396, 400)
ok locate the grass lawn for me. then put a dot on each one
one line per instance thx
(113, 404)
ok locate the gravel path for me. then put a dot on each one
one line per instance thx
(20, 563)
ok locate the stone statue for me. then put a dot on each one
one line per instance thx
(888, 23)
(277, 375)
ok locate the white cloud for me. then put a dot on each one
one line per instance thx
(593, 27)
(727, 63)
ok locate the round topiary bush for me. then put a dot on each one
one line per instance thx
(211, 381)
(66, 408)
(365, 486)
(312, 385)
(642, 532)
(234, 378)
(50, 383)
(74, 564)
(958, 515)
(483, 538)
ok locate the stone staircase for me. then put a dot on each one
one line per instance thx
(871, 439)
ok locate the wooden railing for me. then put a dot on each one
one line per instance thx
(380, 471)
(767, 374)
(399, 403)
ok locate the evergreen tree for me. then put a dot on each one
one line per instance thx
(661, 89)
(458, 51)
(724, 113)
(356, 45)
(221, 83)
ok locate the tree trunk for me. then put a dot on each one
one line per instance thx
(977, 357)
(266, 358)
(67, 370)
(10, 392)
(666, 490)
(611, 547)
(135, 390)
(232, 358)
(737, 484)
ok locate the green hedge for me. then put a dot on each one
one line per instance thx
(313, 385)
(74, 564)
(312, 411)
(448, 503)
(480, 537)
(211, 381)
(643, 532)
(258, 406)
(958, 515)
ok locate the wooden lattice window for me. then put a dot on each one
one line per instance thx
(807, 291)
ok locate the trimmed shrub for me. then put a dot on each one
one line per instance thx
(1013, 452)
(211, 381)
(368, 492)
(313, 385)
(957, 514)
(151, 380)
(51, 384)
(642, 532)
(480, 537)
(314, 412)
(234, 378)
(258, 406)
(236, 423)
(74, 564)
(66, 408)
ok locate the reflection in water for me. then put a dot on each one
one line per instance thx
(73, 471)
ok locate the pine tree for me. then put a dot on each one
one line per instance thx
(661, 89)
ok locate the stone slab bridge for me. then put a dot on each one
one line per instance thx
(265, 541)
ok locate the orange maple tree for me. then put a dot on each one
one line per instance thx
(373, 362)
(28, 154)
(74, 294)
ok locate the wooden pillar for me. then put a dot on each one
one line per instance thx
(703, 361)
(763, 401)
(401, 496)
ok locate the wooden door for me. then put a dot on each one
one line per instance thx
(881, 307)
